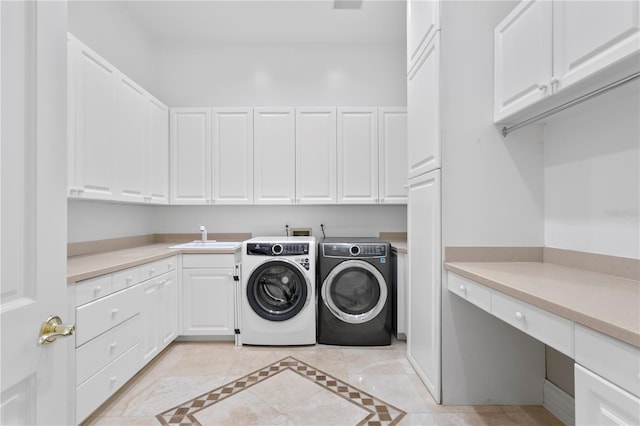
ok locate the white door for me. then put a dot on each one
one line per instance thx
(157, 152)
(523, 57)
(33, 212)
(232, 155)
(208, 302)
(94, 124)
(591, 35)
(274, 179)
(392, 123)
(316, 155)
(357, 155)
(423, 112)
(423, 21)
(425, 272)
(131, 125)
(190, 155)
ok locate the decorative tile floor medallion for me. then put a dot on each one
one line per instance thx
(374, 411)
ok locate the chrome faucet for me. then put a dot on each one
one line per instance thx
(203, 231)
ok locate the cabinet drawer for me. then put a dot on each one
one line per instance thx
(97, 353)
(126, 278)
(93, 289)
(208, 260)
(472, 292)
(153, 269)
(100, 315)
(599, 402)
(610, 358)
(92, 393)
(550, 329)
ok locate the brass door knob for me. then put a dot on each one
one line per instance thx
(53, 328)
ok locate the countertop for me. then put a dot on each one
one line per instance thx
(89, 266)
(606, 303)
(400, 246)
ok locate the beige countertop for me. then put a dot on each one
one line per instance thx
(88, 266)
(606, 303)
(400, 246)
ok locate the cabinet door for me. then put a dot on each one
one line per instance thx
(190, 155)
(131, 158)
(423, 20)
(168, 320)
(157, 152)
(600, 402)
(316, 155)
(424, 294)
(232, 156)
(589, 36)
(207, 302)
(357, 155)
(523, 56)
(423, 112)
(94, 125)
(150, 311)
(393, 155)
(274, 156)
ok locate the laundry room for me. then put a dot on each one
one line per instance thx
(332, 212)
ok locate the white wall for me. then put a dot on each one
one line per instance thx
(95, 220)
(109, 29)
(283, 75)
(493, 187)
(592, 175)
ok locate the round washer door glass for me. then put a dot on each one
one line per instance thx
(277, 290)
(354, 291)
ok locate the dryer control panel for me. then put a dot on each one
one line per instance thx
(345, 250)
(277, 249)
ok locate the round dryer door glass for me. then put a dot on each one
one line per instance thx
(354, 291)
(277, 290)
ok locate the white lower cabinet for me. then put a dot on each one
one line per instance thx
(123, 320)
(208, 294)
(402, 278)
(600, 402)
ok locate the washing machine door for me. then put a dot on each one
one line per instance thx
(354, 291)
(277, 290)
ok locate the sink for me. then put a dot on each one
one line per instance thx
(220, 245)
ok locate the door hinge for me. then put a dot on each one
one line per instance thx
(236, 278)
(237, 331)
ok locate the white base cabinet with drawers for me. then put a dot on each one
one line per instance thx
(208, 292)
(123, 320)
(607, 371)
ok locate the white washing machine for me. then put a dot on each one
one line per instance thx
(278, 291)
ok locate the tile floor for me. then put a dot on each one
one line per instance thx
(193, 371)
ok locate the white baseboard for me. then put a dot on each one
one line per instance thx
(559, 403)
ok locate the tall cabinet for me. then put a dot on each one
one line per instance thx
(424, 203)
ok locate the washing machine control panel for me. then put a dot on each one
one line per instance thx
(277, 249)
(344, 250)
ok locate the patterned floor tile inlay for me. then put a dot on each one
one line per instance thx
(380, 412)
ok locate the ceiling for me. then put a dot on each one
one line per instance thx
(270, 21)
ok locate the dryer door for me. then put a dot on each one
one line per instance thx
(354, 291)
(277, 290)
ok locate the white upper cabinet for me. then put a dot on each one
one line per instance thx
(551, 52)
(392, 130)
(357, 155)
(423, 112)
(316, 156)
(92, 124)
(523, 57)
(117, 133)
(190, 150)
(423, 21)
(232, 155)
(274, 156)
(157, 153)
(130, 164)
(591, 35)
